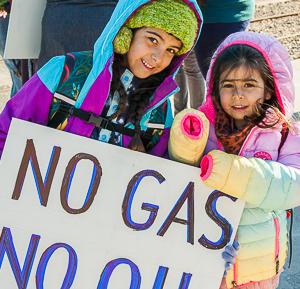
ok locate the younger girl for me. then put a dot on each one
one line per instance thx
(119, 92)
(251, 149)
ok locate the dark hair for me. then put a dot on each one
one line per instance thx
(134, 103)
(244, 55)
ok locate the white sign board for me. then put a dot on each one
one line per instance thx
(25, 29)
(91, 215)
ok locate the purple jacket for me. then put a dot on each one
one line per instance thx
(33, 101)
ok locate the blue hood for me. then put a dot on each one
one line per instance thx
(104, 50)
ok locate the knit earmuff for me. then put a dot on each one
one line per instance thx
(173, 16)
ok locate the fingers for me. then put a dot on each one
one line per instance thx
(236, 244)
(228, 266)
(229, 255)
(231, 250)
(3, 13)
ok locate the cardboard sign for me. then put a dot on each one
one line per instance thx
(77, 213)
(25, 29)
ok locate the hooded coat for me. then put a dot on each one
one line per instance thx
(34, 100)
(264, 175)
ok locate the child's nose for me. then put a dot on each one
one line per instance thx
(157, 56)
(238, 92)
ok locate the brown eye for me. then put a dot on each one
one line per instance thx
(172, 51)
(153, 40)
(227, 85)
(249, 85)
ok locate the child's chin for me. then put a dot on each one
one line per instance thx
(142, 75)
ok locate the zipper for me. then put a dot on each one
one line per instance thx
(235, 269)
(235, 280)
(277, 233)
(247, 139)
(276, 223)
(276, 258)
(235, 285)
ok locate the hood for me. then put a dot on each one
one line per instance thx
(276, 57)
(104, 51)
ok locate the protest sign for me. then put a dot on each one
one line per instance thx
(78, 213)
(25, 29)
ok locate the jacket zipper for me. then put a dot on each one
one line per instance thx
(277, 233)
(235, 285)
(277, 248)
(276, 222)
(247, 139)
(235, 267)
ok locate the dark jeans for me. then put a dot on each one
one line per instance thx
(72, 27)
(12, 65)
(212, 35)
(191, 84)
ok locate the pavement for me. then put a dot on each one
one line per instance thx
(5, 84)
(265, 2)
(290, 278)
(296, 69)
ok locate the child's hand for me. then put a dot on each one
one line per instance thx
(188, 136)
(3, 13)
(229, 255)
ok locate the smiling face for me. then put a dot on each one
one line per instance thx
(151, 51)
(241, 89)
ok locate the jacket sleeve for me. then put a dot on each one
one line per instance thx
(32, 102)
(265, 184)
(188, 136)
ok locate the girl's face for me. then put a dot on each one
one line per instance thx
(240, 91)
(151, 51)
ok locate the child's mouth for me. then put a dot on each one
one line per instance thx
(239, 107)
(147, 65)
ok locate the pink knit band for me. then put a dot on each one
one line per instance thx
(192, 126)
(206, 167)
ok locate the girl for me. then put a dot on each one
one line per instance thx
(119, 92)
(251, 149)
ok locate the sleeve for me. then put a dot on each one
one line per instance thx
(188, 137)
(32, 102)
(265, 184)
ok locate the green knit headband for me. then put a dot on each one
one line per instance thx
(172, 16)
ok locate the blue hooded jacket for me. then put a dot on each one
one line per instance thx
(34, 100)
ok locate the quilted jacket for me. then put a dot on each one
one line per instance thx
(267, 178)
